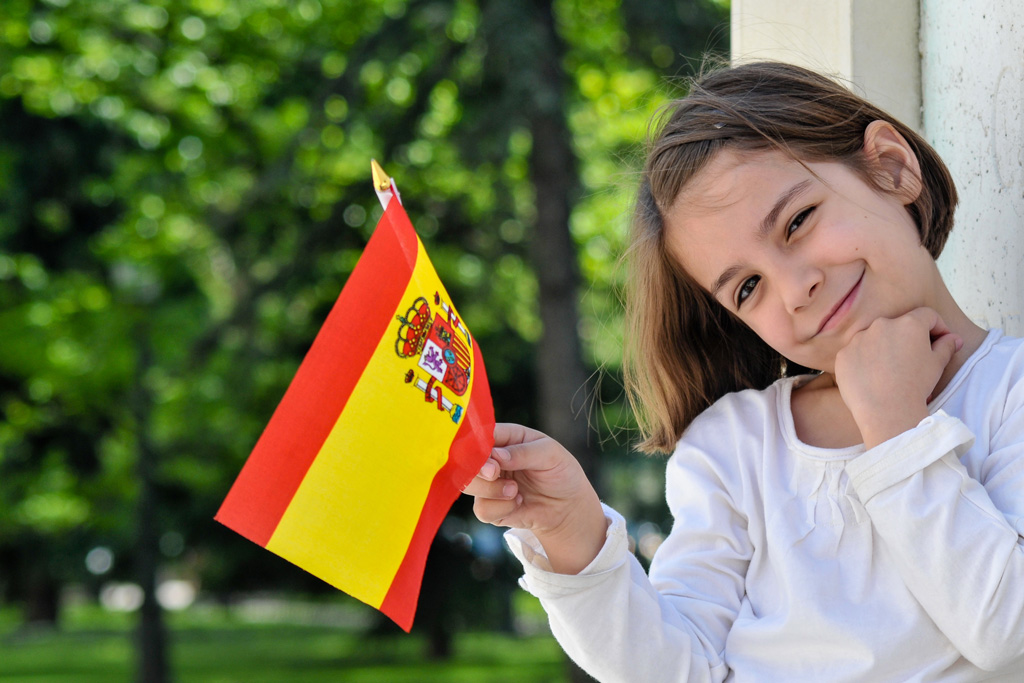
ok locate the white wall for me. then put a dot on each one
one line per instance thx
(973, 92)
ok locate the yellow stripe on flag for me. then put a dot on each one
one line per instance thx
(344, 500)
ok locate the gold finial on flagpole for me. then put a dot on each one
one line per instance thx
(381, 181)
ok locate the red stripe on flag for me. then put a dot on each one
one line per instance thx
(469, 451)
(324, 382)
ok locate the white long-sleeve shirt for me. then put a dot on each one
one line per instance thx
(788, 562)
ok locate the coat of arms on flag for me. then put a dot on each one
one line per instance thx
(441, 345)
(388, 417)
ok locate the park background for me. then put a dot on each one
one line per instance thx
(184, 189)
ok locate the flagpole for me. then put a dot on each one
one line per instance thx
(383, 185)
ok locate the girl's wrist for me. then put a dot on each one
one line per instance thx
(885, 425)
(574, 544)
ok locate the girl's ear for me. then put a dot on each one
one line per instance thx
(892, 161)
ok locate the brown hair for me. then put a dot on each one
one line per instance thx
(684, 350)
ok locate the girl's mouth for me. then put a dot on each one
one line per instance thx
(841, 308)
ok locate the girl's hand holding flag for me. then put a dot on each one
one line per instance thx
(531, 482)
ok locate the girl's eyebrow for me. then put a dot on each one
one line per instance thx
(785, 198)
(772, 216)
(765, 229)
(728, 274)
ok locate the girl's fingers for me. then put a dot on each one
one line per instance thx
(540, 454)
(490, 470)
(931, 319)
(494, 511)
(501, 489)
(506, 433)
(937, 327)
(944, 341)
(946, 346)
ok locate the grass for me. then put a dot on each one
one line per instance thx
(218, 645)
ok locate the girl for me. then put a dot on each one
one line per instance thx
(847, 477)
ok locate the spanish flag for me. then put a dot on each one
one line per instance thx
(388, 417)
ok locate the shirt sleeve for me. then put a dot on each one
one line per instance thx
(957, 542)
(619, 624)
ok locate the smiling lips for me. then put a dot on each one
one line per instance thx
(841, 308)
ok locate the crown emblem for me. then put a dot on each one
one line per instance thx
(414, 328)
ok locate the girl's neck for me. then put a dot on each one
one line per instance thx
(973, 336)
(960, 324)
(820, 417)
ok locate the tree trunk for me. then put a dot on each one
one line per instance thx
(562, 377)
(42, 593)
(152, 640)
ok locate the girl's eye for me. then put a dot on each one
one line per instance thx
(798, 220)
(746, 289)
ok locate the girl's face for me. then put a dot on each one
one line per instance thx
(805, 259)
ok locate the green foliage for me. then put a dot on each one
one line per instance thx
(184, 189)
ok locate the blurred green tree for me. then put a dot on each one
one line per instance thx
(184, 190)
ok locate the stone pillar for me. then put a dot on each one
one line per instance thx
(973, 92)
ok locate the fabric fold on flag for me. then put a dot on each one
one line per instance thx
(388, 417)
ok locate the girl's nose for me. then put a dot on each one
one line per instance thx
(800, 285)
